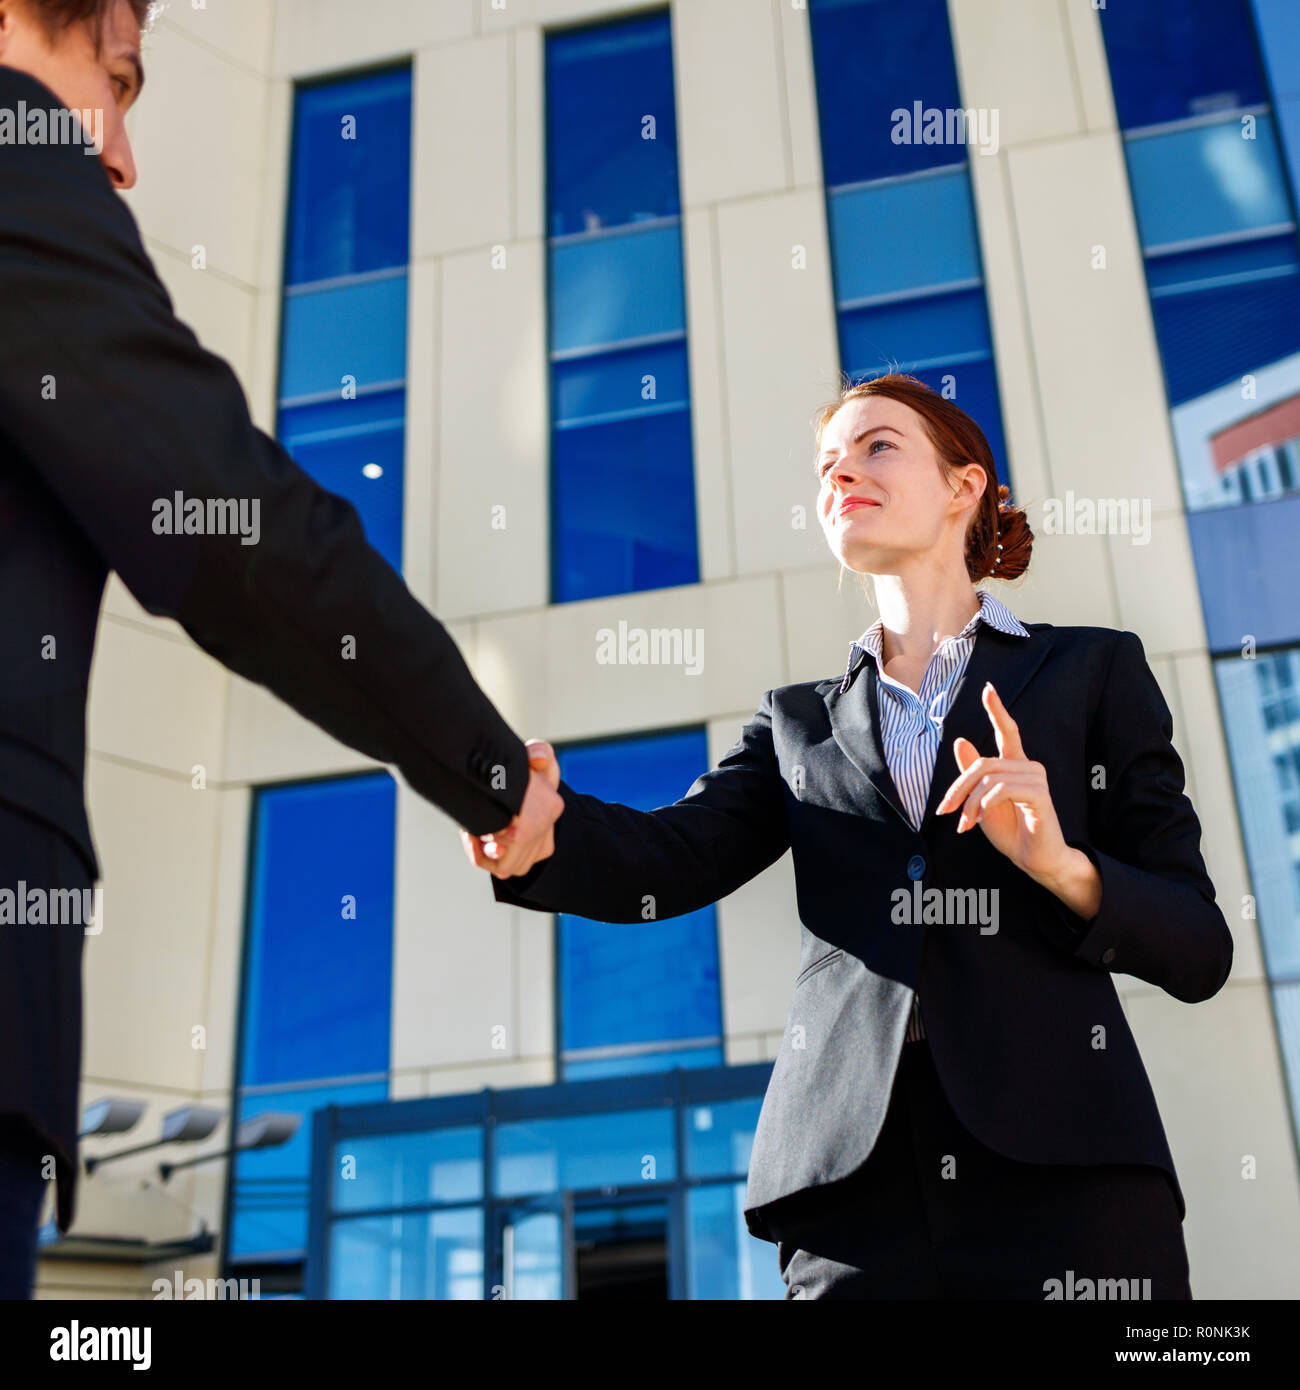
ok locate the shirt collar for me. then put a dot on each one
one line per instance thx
(991, 611)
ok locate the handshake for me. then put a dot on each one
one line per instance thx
(530, 836)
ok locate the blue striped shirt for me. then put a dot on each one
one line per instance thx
(911, 722)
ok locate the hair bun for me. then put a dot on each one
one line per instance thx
(1011, 542)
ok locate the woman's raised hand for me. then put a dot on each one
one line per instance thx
(1008, 798)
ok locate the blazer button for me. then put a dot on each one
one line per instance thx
(915, 867)
(1108, 955)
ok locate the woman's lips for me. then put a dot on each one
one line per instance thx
(852, 504)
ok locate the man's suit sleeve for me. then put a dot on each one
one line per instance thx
(1158, 918)
(616, 864)
(113, 404)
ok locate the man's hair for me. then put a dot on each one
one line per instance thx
(56, 15)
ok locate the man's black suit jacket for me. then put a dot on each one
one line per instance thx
(1024, 1023)
(108, 403)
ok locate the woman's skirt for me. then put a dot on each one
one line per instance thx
(933, 1213)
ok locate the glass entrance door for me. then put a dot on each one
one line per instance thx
(621, 1248)
(535, 1241)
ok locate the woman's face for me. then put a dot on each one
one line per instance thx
(882, 495)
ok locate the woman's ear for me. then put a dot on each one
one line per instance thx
(969, 491)
(978, 479)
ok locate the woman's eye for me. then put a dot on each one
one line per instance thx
(888, 443)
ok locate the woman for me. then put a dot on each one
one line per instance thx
(958, 1108)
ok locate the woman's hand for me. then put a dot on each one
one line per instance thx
(1008, 798)
(501, 853)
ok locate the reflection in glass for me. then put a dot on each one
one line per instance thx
(1260, 699)
(351, 180)
(622, 1149)
(723, 1261)
(270, 1187)
(607, 289)
(533, 1256)
(428, 1255)
(392, 1170)
(355, 449)
(355, 331)
(719, 1137)
(633, 989)
(1206, 180)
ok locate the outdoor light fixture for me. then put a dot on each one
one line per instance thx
(187, 1125)
(260, 1132)
(110, 1116)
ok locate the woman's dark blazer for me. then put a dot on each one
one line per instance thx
(1024, 1023)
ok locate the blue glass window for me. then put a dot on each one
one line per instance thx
(1220, 321)
(922, 331)
(583, 1151)
(1210, 194)
(908, 276)
(610, 288)
(624, 503)
(270, 1187)
(652, 990)
(623, 486)
(873, 58)
(1218, 227)
(1261, 704)
(356, 330)
(719, 1137)
(611, 125)
(1277, 24)
(1260, 700)
(343, 335)
(351, 190)
(1171, 60)
(355, 449)
(413, 1197)
(426, 1255)
(597, 388)
(724, 1263)
(902, 235)
(1286, 1010)
(317, 985)
(1207, 180)
(393, 1170)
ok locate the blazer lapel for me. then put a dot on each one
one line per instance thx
(1009, 661)
(855, 722)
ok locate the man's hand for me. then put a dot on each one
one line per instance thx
(530, 836)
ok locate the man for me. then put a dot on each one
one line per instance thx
(108, 404)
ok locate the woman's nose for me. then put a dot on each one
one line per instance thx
(844, 474)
